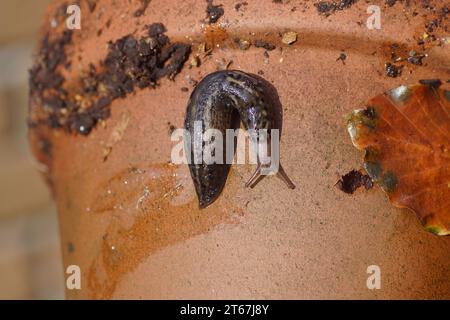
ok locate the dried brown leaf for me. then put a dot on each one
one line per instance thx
(406, 135)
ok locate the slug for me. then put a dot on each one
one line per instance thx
(218, 102)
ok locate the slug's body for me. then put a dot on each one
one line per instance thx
(217, 102)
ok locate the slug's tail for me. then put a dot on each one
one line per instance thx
(257, 177)
(209, 181)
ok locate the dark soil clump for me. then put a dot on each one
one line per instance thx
(353, 180)
(130, 63)
(214, 12)
(329, 7)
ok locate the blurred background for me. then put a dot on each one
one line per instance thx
(30, 257)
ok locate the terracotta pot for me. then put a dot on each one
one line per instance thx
(131, 221)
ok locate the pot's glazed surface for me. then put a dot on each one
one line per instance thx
(130, 219)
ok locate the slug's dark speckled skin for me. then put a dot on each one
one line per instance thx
(219, 101)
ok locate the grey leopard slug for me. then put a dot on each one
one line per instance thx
(219, 101)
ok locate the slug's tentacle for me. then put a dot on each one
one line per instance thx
(218, 101)
(257, 177)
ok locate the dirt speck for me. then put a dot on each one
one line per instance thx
(264, 44)
(144, 5)
(172, 128)
(329, 7)
(243, 44)
(92, 4)
(391, 3)
(353, 180)
(70, 247)
(289, 37)
(45, 146)
(392, 70)
(415, 58)
(194, 62)
(214, 12)
(240, 5)
(342, 57)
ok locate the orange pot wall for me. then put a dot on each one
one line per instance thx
(132, 223)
